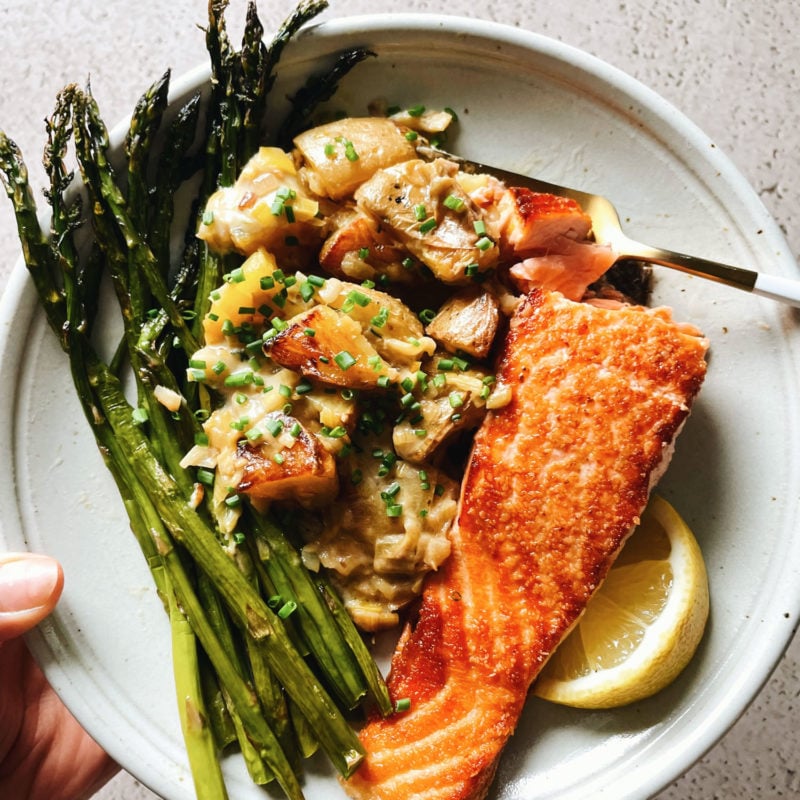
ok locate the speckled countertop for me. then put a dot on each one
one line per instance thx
(730, 65)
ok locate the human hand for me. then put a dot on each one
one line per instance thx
(44, 752)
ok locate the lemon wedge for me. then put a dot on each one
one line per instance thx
(642, 626)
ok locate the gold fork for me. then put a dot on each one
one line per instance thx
(607, 230)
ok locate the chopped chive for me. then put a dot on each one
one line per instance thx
(350, 151)
(408, 263)
(267, 282)
(309, 332)
(412, 136)
(304, 387)
(306, 290)
(392, 490)
(456, 399)
(205, 476)
(420, 212)
(296, 430)
(426, 316)
(344, 359)
(454, 203)
(278, 458)
(394, 510)
(288, 608)
(416, 111)
(484, 243)
(274, 426)
(403, 704)
(427, 226)
(253, 435)
(363, 253)
(471, 270)
(383, 381)
(208, 217)
(479, 227)
(316, 280)
(237, 379)
(381, 318)
(234, 501)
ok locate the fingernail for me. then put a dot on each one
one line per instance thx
(27, 581)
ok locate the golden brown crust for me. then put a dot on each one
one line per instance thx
(556, 480)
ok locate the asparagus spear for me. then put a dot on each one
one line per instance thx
(132, 247)
(198, 736)
(324, 638)
(316, 90)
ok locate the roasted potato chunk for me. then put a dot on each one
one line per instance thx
(357, 249)
(266, 205)
(445, 409)
(388, 324)
(329, 346)
(339, 156)
(290, 467)
(428, 212)
(467, 323)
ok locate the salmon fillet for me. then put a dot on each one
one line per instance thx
(556, 481)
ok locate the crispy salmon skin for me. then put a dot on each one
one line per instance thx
(556, 481)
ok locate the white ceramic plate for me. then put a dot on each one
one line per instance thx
(525, 103)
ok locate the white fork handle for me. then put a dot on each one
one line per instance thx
(776, 288)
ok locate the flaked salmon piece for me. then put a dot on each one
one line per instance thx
(535, 220)
(547, 234)
(556, 481)
(570, 267)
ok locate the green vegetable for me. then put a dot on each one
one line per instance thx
(264, 677)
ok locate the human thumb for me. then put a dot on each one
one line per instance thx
(30, 586)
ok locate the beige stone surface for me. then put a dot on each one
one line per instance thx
(730, 65)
